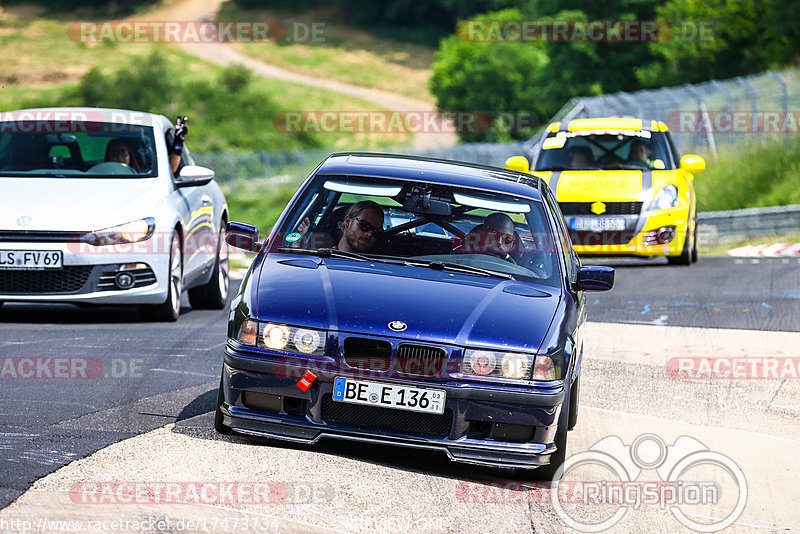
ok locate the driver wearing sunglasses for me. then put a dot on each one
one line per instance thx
(361, 227)
(494, 236)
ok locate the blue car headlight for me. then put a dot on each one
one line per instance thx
(508, 365)
(282, 337)
(667, 197)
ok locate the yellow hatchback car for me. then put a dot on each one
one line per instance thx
(622, 187)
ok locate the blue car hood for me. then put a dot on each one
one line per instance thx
(437, 306)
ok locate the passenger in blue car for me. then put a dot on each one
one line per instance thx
(495, 236)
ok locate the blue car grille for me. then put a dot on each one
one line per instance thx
(420, 360)
(367, 354)
(375, 355)
(70, 279)
(372, 417)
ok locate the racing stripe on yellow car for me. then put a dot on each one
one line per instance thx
(553, 183)
(647, 194)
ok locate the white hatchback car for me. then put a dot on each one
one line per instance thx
(81, 221)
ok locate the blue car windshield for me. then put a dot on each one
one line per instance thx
(447, 226)
(76, 149)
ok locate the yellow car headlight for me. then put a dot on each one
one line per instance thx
(667, 197)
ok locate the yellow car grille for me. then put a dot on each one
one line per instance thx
(611, 208)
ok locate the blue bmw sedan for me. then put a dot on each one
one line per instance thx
(414, 302)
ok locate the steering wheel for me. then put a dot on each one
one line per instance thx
(530, 261)
(111, 167)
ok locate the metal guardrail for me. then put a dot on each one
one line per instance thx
(728, 226)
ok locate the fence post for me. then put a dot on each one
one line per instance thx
(728, 107)
(704, 118)
(785, 92)
(677, 134)
(753, 104)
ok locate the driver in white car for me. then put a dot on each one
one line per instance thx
(119, 151)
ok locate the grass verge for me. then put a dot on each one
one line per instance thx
(258, 202)
(43, 66)
(721, 249)
(751, 176)
(340, 52)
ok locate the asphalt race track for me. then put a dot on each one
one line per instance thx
(742, 293)
(115, 399)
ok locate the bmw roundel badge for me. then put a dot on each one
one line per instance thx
(398, 326)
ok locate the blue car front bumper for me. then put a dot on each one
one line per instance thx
(485, 425)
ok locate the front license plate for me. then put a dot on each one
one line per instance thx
(389, 395)
(31, 259)
(598, 224)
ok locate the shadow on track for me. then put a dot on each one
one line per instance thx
(431, 463)
(36, 313)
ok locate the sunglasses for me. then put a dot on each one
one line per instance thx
(367, 227)
(505, 239)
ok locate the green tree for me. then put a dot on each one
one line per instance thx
(722, 39)
(499, 78)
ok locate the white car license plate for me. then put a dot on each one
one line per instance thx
(388, 395)
(31, 259)
(597, 224)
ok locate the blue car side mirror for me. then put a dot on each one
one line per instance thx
(241, 235)
(595, 278)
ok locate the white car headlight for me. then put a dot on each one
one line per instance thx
(131, 232)
(509, 365)
(667, 197)
(292, 339)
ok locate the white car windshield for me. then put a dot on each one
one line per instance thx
(76, 149)
(426, 225)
